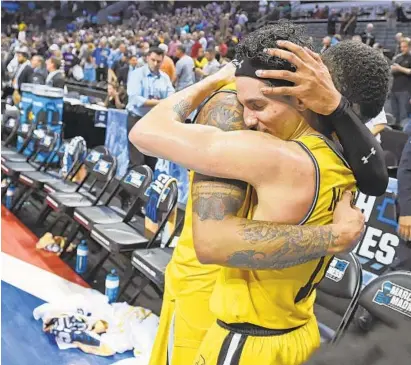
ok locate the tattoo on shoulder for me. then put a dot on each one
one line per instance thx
(214, 200)
(295, 246)
(224, 112)
(182, 109)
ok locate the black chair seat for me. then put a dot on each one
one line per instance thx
(14, 168)
(67, 202)
(38, 178)
(152, 263)
(118, 237)
(61, 186)
(88, 217)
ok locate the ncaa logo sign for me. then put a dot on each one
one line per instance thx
(337, 269)
(394, 297)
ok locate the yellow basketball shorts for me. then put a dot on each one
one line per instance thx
(224, 347)
(184, 322)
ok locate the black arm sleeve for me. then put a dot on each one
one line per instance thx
(404, 181)
(361, 149)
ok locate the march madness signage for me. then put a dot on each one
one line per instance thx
(379, 245)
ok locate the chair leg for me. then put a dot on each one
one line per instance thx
(140, 289)
(43, 214)
(128, 279)
(91, 275)
(25, 196)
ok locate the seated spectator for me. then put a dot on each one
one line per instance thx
(326, 44)
(39, 70)
(89, 69)
(116, 96)
(55, 77)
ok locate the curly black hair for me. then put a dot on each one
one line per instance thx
(361, 74)
(252, 45)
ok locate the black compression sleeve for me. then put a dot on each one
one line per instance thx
(361, 149)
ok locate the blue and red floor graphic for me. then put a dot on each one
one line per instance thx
(30, 278)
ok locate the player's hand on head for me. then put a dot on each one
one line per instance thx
(404, 228)
(350, 222)
(313, 84)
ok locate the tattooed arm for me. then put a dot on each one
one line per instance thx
(220, 237)
(223, 239)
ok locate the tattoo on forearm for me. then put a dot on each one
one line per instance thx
(216, 200)
(294, 246)
(182, 109)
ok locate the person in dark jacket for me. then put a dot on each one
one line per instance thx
(23, 74)
(55, 77)
(39, 70)
(404, 192)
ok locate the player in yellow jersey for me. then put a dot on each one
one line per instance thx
(315, 145)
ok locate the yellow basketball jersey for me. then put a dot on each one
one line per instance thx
(281, 299)
(185, 274)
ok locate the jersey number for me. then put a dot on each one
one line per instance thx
(308, 288)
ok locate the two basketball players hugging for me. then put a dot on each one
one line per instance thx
(259, 230)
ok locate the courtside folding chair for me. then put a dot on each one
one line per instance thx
(342, 280)
(135, 183)
(387, 299)
(151, 263)
(124, 237)
(100, 168)
(9, 127)
(45, 142)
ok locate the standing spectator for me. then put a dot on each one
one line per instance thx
(168, 65)
(184, 69)
(352, 23)
(125, 71)
(368, 37)
(200, 61)
(212, 65)
(222, 48)
(391, 16)
(203, 40)
(23, 74)
(146, 87)
(243, 19)
(89, 69)
(55, 77)
(332, 21)
(404, 193)
(196, 46)
(398, 39)
(70, 60)
(224, 25)
(400, 92)
(101, 55)
(326, 44)
(172, 47)
(39, 70)
(187, 43)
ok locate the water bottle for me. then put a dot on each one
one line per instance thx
(112, 286)
(9, 196)
(81, 261)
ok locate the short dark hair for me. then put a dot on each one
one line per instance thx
(156, 50)
(56, 62)
(211, 50)
(361, 74)
(253, 44)
(181, 48)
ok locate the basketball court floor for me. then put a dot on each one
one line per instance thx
(30, 278)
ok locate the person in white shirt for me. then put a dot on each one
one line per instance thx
(377, 124)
